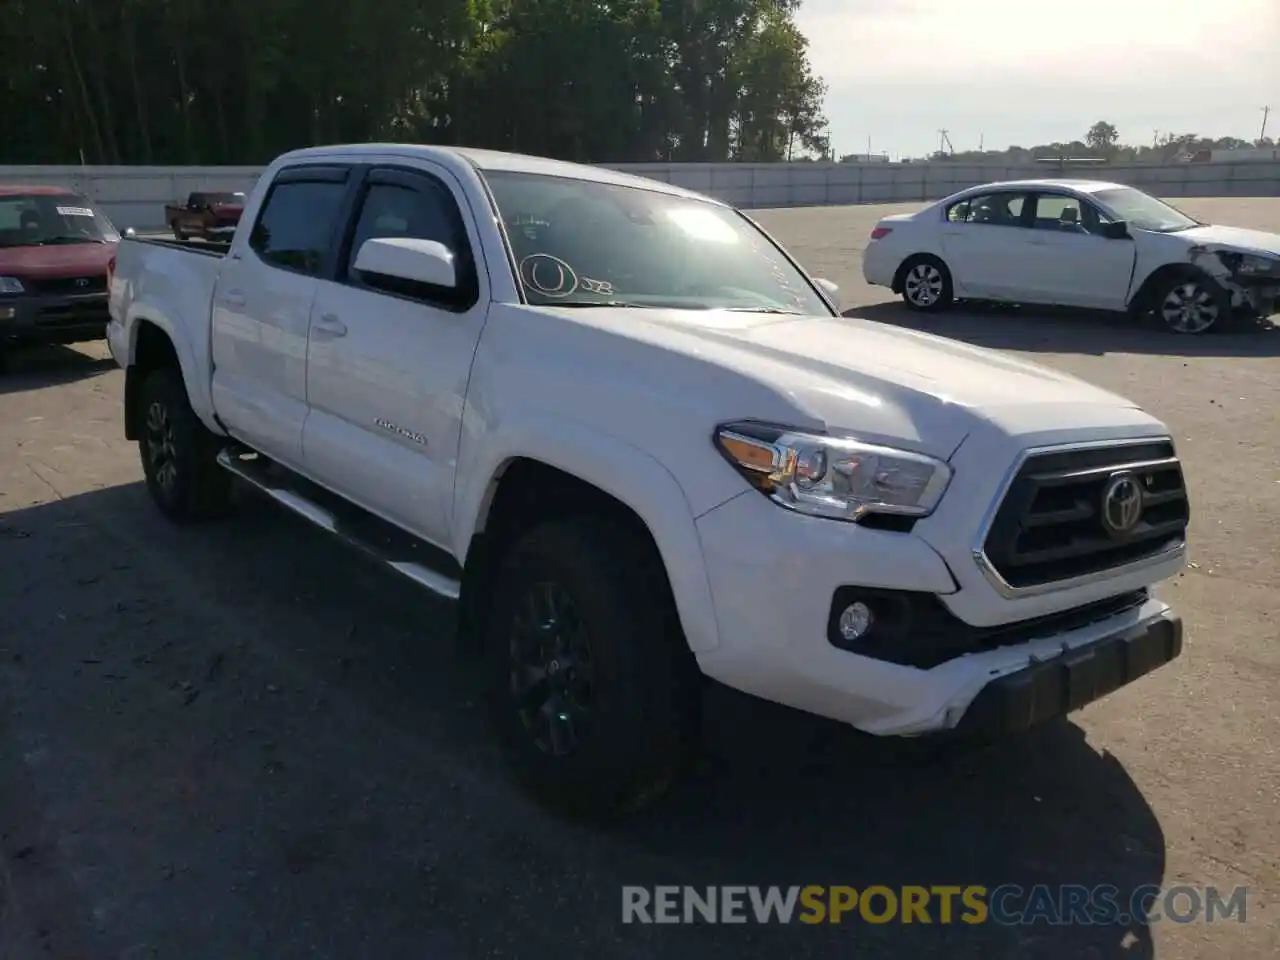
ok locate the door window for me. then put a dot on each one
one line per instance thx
(296, 226)
(989, 209)
(1068, 214)
(1057, 212)
(418, 208)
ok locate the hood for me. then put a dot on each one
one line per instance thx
(1237, 238)
(882, 382)
(57, 260)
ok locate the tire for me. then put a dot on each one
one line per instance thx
(926, 284)
(179, 454)
(626, 720)
(1191, 304)
(178, 234)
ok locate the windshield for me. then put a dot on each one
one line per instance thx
(584, 243)
(1144, 211)
(41, 219)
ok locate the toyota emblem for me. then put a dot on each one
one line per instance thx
(82, 282)
(1121, 504)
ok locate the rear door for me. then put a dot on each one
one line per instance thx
(262, 308)
(388, 361)
(979, 235)
(1068, 259)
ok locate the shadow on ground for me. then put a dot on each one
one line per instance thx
(242, 740)
(32, 368)
(1072, 331)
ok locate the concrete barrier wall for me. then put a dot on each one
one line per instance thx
(135, 196)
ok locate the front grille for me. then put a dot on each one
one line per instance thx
(67, 285)
(1052, 526)
(223, 222)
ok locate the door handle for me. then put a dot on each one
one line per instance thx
(233, 299)
(331, 326)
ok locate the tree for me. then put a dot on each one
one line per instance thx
(239, 81)
(1102, 138)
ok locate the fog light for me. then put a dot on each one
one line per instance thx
(7, 313)
(855, 621)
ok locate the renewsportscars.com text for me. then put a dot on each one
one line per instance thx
(1006, 905)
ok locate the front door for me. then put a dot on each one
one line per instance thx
(1068, 260)
(387, 371)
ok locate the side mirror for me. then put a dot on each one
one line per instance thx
(408, 258)
(1116, 230)
(130, 232)
(830, 289)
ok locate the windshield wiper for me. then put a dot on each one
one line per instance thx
(779, 310)
(590, 303)
(67, 238)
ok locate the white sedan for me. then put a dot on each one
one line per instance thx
(1076, 243)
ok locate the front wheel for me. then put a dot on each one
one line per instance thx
(593, 691)
(179, 454)
(1192, 304)
(926, 284)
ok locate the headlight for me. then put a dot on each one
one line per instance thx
(836, 477)
(1258, 265)
(11, 285)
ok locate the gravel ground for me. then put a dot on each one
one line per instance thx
(242, 741)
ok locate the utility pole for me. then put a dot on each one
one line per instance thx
(1266, 112)
(982, 138)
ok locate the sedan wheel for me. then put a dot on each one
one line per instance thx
(926, 284)
(1191, 306)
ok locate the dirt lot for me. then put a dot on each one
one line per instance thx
(241, 741)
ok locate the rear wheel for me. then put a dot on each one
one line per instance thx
(178, 234)
(1192, 304)
(926, 284)
(593, 691)
(179, 454)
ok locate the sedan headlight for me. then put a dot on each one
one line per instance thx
(1255, 266)
(11, 285)
(836, 477)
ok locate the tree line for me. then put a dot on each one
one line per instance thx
(1102, 141)
(239, 81)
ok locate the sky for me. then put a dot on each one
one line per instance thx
(1026, 72)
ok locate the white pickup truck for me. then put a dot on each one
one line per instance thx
(642, 448)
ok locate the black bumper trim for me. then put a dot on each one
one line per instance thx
(1054, 688)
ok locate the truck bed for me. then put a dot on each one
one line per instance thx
(209, 248)
(171, 285)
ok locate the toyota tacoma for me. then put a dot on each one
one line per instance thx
(641, 447)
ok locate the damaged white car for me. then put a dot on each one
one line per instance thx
(1076, 243)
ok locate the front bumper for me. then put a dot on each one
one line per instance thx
(774, 576)
(1260, 295)
(1075, 678)
(53, 318)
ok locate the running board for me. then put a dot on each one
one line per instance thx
(408, 556)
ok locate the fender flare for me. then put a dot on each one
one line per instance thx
(612, 465)
(140, 312)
